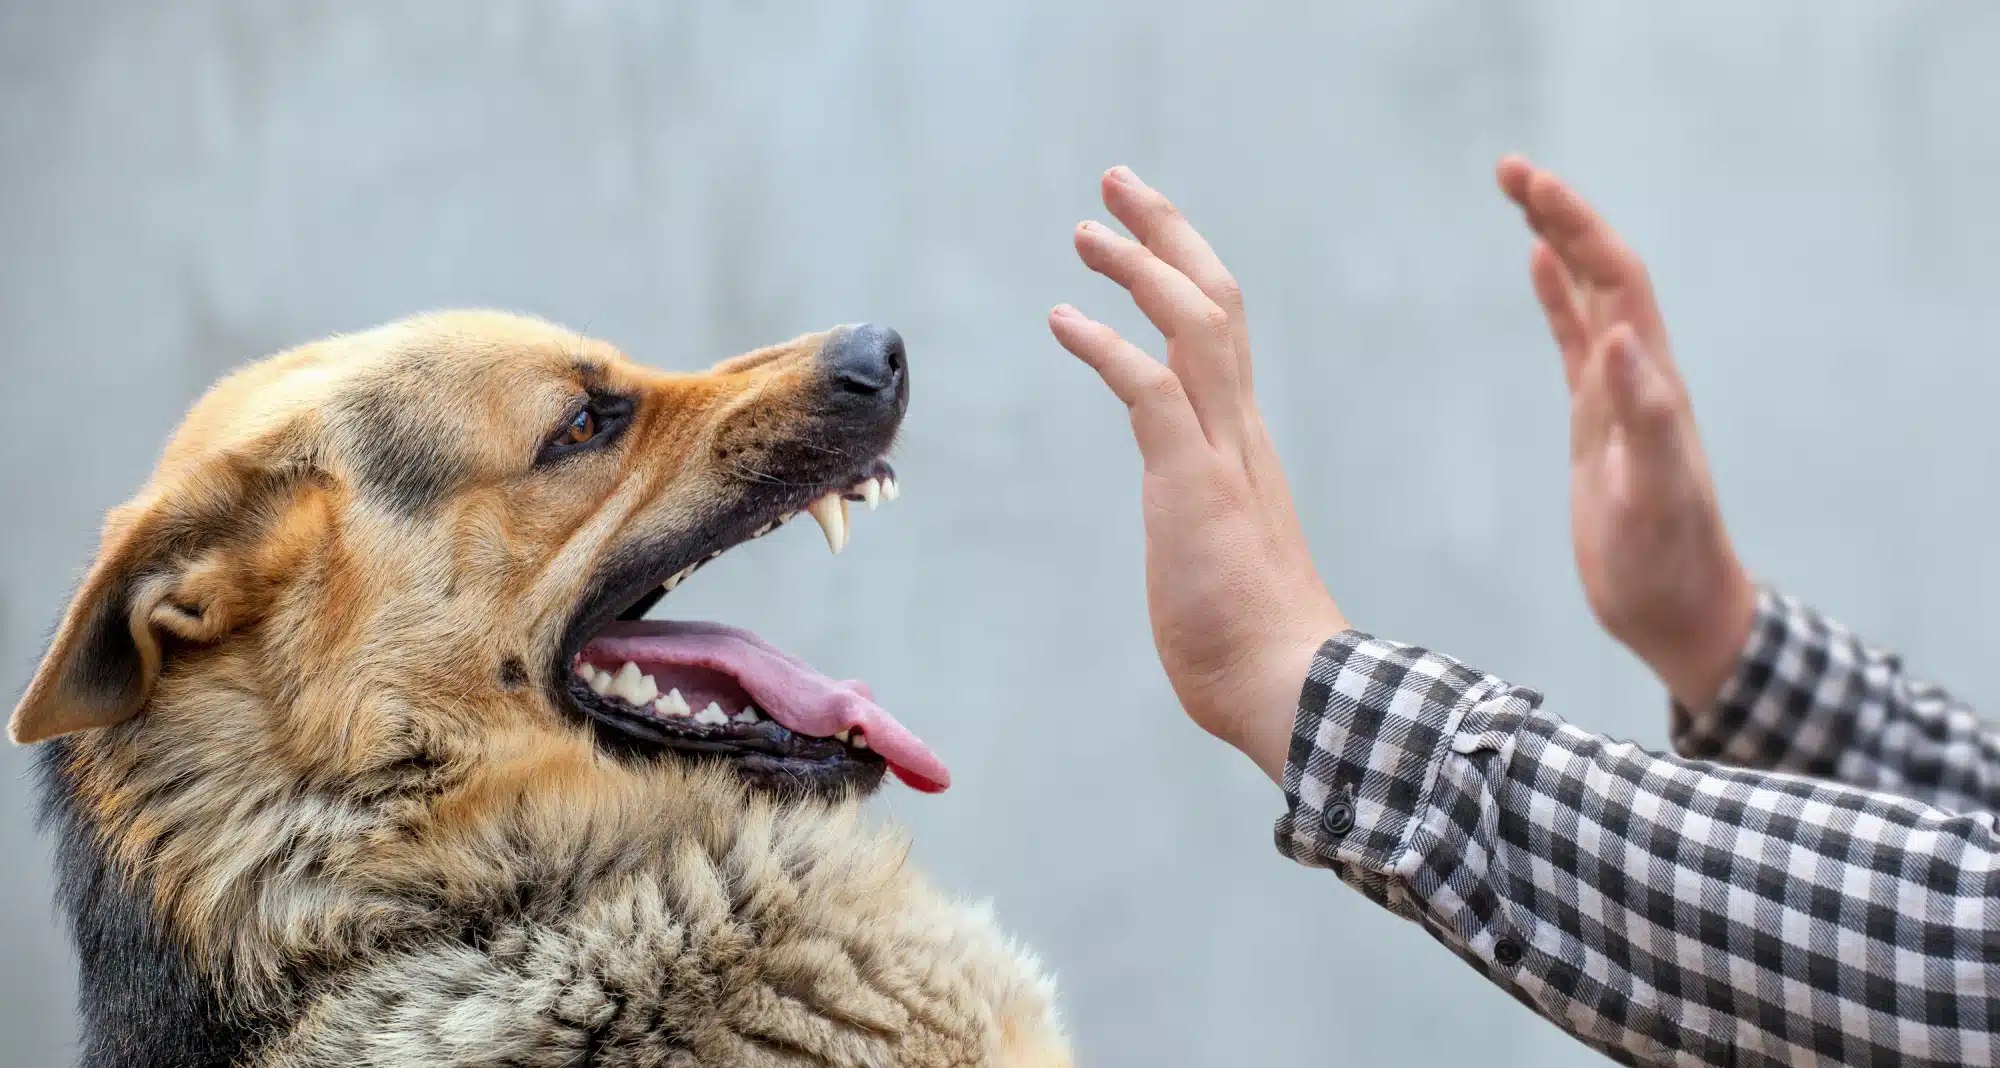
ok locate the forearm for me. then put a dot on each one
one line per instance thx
(1660, 910)
(1808, 696)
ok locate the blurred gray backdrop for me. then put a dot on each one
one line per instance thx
(185, 186)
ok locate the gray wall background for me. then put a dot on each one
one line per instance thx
(188, 185)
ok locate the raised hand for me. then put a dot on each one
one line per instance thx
(1656, 562)
(1237, 606)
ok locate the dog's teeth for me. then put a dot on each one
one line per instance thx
(748, 715)
(859, 741)
(831, 512)
(711, 716)
(675, 580)
(600, 681)
(871, 491)
(842, 736)
(673, 704)
(890, 490)
(632, 685)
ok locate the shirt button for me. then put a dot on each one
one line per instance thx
(1507, 952)
(1338, 818)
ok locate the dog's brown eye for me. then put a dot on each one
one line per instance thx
(596, 425)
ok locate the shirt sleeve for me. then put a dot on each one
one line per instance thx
(1810, 697)
(1664, 911)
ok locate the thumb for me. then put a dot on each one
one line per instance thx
(1643, 402)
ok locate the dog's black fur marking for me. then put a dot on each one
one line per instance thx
(407, 465)
(141, 1002)
(513, 673)
(106, 667)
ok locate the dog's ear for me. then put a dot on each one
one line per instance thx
(176, 566)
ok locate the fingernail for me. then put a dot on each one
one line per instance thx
(1123, 175)
(1064, 311)
(1089, 227)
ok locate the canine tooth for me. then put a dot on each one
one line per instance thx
(673, 704)
(871, 491)
(841, 737)
(890, 490)
(626, 685)
(711, 716)
(600, 680)
(748, 715)
(675, 580)
(831, 512)
(860, 740)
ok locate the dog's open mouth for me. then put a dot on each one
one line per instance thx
(709, 689)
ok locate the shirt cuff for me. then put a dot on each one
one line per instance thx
(1781, 707)
(1370, 734)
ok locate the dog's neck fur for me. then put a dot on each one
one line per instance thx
(227, 912)
(131, 970)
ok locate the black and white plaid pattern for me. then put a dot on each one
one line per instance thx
(1665, 910)
(1809, 697)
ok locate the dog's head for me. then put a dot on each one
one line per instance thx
(396, 544)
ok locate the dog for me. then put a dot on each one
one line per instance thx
(358, 749)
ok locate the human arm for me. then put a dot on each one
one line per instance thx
(1810, 697)
(1664, 911)
(1758, 679)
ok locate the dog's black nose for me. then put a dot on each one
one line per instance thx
(867, 360)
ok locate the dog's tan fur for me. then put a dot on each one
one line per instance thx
(301, 714)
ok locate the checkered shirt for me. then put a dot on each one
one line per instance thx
(1832, 898)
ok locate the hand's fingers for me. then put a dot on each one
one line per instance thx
(1165, 232)
(1594, 253)
(1162, 419)
(1517, 177)
(1199, 346)
(1514, 175)
(1593, 413)
(1642, 401)
(1557, 293)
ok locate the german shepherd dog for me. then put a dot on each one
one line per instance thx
(358, 749)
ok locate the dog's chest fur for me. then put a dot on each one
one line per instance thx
(568, 937)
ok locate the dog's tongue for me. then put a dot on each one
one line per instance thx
(788, 689)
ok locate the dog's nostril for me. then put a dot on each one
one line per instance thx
(867, 359)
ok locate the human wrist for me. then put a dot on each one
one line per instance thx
(1695, 668)
(1267, 703)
